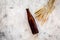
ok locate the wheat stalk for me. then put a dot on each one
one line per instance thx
(43, 13)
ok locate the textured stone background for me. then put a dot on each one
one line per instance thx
(14, 24)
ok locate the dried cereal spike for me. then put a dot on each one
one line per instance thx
(43, 13)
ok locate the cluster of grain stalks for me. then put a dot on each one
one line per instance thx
(43, 13)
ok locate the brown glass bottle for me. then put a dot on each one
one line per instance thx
(32, 22)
